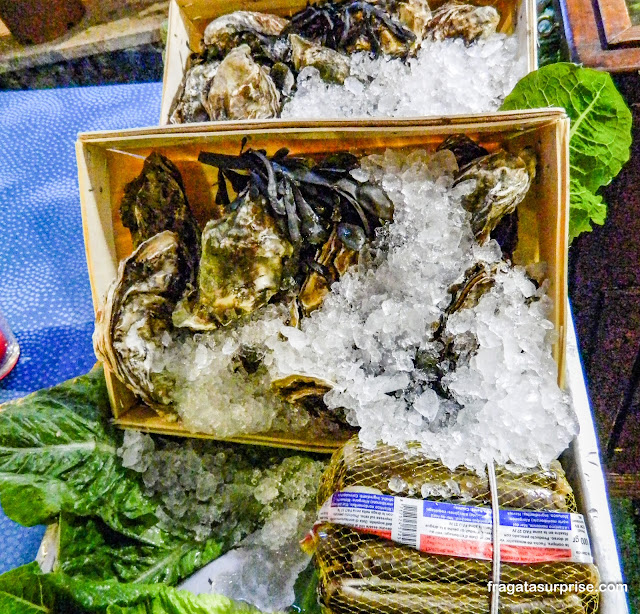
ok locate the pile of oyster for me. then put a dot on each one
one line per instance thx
(250, 60)
(288, 228)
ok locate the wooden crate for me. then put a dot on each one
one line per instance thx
(109, 160)
(189, 18)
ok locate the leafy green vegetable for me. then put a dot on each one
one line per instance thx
(27, 591)
(171, 601)
(89, 549)
(600, 131)
(58, 455)
(59, 460)
(23, 592)
(306, 592)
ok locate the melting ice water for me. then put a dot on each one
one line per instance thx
(206, 488)
(202, 486)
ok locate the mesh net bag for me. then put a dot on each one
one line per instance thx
(361, 572)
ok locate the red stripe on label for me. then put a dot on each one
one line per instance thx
(378, 532)
(532, 554)
(471, 549)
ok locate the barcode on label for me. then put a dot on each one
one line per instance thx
(408, 524)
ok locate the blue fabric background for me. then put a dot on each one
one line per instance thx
(44, 285)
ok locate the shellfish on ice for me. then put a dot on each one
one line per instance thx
(242, 89)
(137, 311)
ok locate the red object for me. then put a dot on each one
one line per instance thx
(3, 346)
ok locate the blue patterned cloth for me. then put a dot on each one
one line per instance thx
(44, 285)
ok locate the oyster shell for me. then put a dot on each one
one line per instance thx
(155, 201)
(298, 387)
(466, 293)
(476, 281)
(493, 186)
(415, 14)
(190, 106)
(228, 31)
(460, 20)
(336, 258)
(242, 267)
(283, 78)
(242, 89)
(465, 150)
(136, 313)
(453, 351)
(332, 65)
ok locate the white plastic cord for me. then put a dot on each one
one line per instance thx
(495, 509)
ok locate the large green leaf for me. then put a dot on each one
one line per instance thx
(23, 592)
(600, 130)
(27, 591)
(91, 550)
(170, 601)
(586, 208)
(58, 453)
(58, 456)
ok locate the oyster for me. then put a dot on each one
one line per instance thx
(454, 351)
(297, 388)
(197, 81)
(283, 78)
(335, 258)
(465, 150)
(493, 186)
(352, 25)
(242, 89)
(229, 31)
(474, 283)
(242, 267)
(415, 14)
(332, 65)
(155, 201)
(460, 20)
(136, 313)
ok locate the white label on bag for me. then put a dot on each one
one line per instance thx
(462, 530)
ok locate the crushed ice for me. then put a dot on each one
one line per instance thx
(214, 392)
(504, 406)
(446, 77)
(205, 488)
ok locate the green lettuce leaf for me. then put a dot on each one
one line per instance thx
(171, 601)
(306, 592)
(22, 591)
(586, 208)
(600, 131)
(27, 591)
(91, 550)
(58, 456)
(58, 453)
